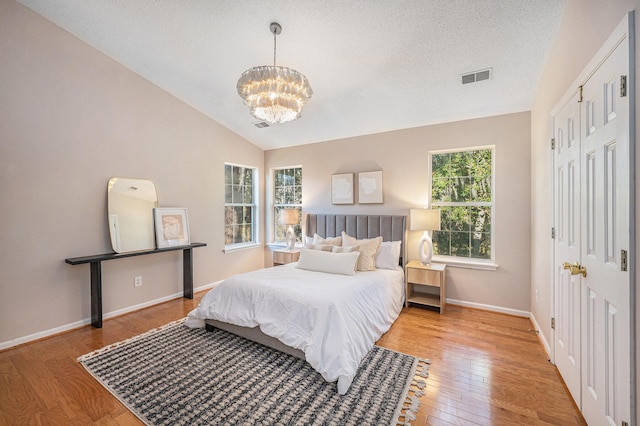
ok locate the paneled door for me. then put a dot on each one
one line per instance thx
(605, 233)
(567, 243)
(592, 186)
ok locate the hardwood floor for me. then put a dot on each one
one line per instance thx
(486, 369)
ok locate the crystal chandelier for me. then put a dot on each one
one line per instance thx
(274, 94)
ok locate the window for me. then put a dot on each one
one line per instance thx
(240, 211)
(462, 188)
(287, 193)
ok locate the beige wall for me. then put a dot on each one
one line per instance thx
(585, 27)
(402, 156)
(71, 118)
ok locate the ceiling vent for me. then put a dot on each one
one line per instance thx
(475, 76)
(261, 124)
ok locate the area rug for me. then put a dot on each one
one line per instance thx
(174, 375)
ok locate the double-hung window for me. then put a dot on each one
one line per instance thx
(240, 212)
(287, 194)
(462, 188)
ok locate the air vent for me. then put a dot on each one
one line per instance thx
(475, 76)
(261, 124)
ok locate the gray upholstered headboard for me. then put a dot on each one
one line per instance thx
(390, 228)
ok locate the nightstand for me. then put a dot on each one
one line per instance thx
(282, 256)
(432, 276)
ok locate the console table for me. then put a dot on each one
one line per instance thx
(96, 273)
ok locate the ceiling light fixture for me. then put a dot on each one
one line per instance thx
(274, 94)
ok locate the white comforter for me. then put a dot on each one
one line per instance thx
(334, 319)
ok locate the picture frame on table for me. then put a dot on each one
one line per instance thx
(342, 188)
(172, 227)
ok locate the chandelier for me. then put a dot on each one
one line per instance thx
(274, 94)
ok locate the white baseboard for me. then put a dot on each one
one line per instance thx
(493, 308)
(541, 336)
(74, 325)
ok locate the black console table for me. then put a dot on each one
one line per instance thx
(96, 273)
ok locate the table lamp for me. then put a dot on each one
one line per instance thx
(290, 217)
(425, 220)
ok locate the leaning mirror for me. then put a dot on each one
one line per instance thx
(130, 207)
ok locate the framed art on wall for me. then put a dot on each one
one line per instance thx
(342, 188)
(370, 187)
(172, 227)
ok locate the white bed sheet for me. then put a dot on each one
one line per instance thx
(334, 319)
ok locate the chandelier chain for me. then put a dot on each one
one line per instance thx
(275, 32)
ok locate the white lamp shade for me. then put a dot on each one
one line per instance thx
(289, 217)
(425, 219)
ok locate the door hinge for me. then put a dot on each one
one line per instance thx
(623, 86)
(553, 144)
(553, 323)
(623, 260)
(553, 233)
(580, 94)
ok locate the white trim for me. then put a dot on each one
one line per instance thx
(467, 263)
(541, 336)
(240, 246)
(86, 321)
(492, 308)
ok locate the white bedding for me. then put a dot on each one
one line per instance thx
(334, 319)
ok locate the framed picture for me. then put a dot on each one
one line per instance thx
(370, 187)
(342, 188)
(172, 227)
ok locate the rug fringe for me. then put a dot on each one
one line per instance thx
(414, 391)
(132, 339)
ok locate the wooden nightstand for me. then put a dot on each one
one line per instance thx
(282, 256)
(428, 276)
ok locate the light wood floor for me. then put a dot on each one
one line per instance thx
(487, 369)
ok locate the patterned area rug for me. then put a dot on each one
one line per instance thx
(174, 375)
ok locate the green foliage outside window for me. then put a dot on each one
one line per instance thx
(287, 193)
(239, 206)
(462, 189)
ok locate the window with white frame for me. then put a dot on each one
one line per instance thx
(287, 194)
(462, 188)
(240, 213)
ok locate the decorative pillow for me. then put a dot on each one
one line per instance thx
(388, 256)
(332, 263)
(368, 249)
(308, 241)
(335, 241)
(340, 249)
(321, 247)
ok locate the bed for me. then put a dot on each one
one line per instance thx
(329, 319)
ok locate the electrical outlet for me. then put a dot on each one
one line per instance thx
(137, 282)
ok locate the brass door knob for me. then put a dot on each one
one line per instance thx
(576, 268)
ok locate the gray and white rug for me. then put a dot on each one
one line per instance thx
(174, 375)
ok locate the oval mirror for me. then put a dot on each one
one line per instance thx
(130, 204)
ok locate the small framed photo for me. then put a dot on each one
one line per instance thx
(370, 187)
(172, 227)
(342, 188)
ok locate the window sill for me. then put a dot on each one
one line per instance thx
(484, 265)
(236, 247)
(280, 245)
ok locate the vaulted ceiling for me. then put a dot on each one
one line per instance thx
(374, 65)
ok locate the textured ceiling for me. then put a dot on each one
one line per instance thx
(374, 65)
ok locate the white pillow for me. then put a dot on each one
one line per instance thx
(324, 261)
(335, 241)
(342, 249)
(368, 249)
(388, 256)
